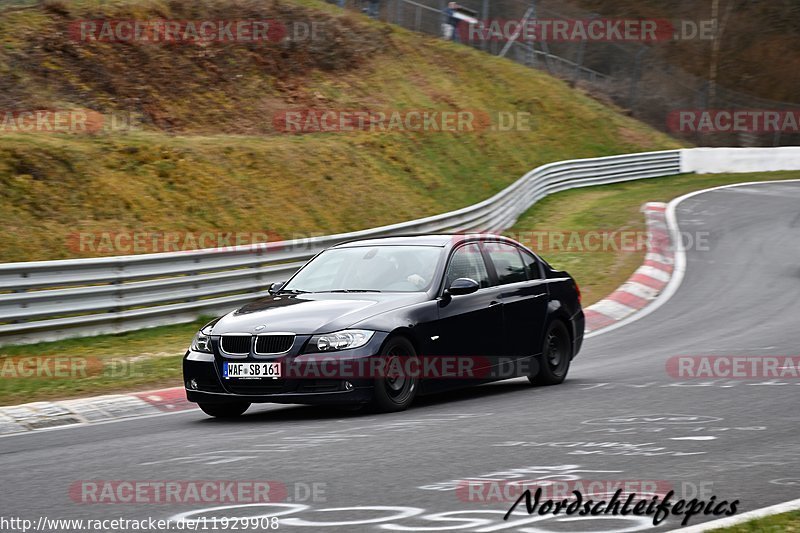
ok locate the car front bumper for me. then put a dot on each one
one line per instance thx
(333, 384)
(351, 397)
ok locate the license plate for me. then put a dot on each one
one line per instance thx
(251, 370)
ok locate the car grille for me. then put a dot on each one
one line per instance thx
(236, 344)
(272, 344)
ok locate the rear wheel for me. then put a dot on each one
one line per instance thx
(224, 410)
(396, 389)
(556, 355)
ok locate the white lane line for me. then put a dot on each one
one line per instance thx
(680, 256)
(784, 507)
(698, 437)
(195, 412)
(93, 424)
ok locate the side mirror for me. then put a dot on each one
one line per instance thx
(275, 287)
(462, 286)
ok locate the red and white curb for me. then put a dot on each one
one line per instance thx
(644, 286)
(50, 415)
(640, 290)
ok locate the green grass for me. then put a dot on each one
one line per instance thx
(779, 523)
(139, 360)
(157, 352)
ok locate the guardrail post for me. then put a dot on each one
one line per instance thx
(22, 305)
(118, 294)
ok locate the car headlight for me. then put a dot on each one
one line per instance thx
(202, 341)
(342, 340)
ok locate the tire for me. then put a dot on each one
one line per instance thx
(555, 358)
(224, 410)
(392, 394)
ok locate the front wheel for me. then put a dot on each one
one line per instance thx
(224, 410)
(396, 388)
(556, 356)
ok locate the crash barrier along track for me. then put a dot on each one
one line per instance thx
(48, 300)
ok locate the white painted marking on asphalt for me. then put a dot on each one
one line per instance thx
(194, 412)
(699, 437)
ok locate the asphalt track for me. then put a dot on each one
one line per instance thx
(620, 416)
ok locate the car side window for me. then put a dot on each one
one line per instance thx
(507, 262)
(467, 262)
(531, 265)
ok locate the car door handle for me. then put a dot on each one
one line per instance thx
(493, 303)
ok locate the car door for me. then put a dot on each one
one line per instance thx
(523, 295)
(471, 324)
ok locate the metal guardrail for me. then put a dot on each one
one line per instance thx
(47, 300)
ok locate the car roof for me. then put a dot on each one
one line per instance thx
(440, 240)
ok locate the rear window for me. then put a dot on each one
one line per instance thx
(507, 262)
(531, 265)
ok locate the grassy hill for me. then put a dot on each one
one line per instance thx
(207, 155)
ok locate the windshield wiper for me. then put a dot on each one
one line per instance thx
(353, 290)
(292, 291)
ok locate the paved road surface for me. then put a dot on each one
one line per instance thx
(620, 416)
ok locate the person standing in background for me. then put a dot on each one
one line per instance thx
(373, 8)
(450, 25)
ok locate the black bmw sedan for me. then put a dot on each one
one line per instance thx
(376, 322)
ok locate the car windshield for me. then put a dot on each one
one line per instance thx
(368, 269)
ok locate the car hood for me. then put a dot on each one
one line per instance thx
(308, 314)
